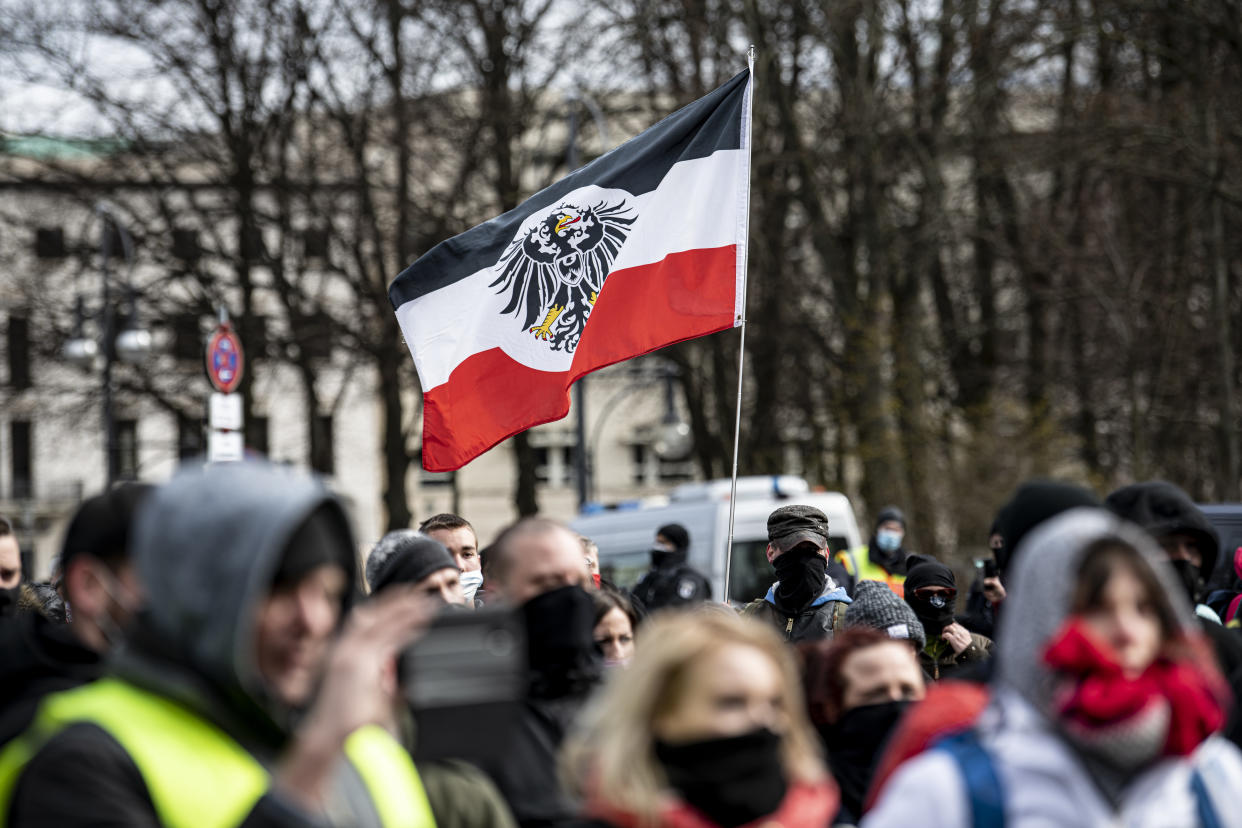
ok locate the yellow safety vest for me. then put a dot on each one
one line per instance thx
(858, 563)
(196, 774)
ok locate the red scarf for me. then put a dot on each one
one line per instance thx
(806, 805)
(1103, 695)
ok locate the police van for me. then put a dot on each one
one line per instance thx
(626, 533)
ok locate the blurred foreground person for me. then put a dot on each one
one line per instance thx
(706, 728)
(208, 717)
(458, 536)
(414, 560)
(671, 581)
(931, 591)
(858, 686)
(805, 603)
(536, 566)
(1103, 706)
(39, 656)
(615, 622)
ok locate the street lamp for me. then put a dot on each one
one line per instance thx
(131, 344)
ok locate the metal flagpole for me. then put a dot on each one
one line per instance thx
(741, 353)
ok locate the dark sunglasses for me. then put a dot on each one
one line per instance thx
(927, 593)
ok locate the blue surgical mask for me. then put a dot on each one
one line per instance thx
(888, 540)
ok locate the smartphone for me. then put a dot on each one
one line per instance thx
(987, 567)
(465, 680)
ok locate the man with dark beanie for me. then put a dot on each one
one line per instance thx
(39, 656)
(931, 591)
(671, 582)
(411, 558)
(237, 699)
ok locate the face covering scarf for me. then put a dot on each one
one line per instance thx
(802, 573)
(732, 780)
(854, 745)
(1168, 710)
(560, 635)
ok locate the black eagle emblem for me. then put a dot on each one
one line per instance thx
(553, 272)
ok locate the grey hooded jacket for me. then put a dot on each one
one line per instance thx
(206, 546)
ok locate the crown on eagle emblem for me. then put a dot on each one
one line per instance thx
(555, 267)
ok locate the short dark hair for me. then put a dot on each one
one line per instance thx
(446, 520)
(101, 526)
(6, 526)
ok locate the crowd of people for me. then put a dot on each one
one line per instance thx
(211, 652)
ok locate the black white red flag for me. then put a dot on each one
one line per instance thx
(641, 248)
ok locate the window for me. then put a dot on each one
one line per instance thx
(19, 351)
(22, 459)
(185, 244)
(554, 465)
(256, 429)
(322, 453)
(50, 243)
(127, 449)
(188, 342)
(189, 437)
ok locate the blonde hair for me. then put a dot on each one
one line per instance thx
(611, 754)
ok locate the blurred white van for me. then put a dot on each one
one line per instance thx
(625, 534)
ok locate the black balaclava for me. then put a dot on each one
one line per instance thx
(1033, 503)
(934, 618)
(1163, 509)
(9, 598)
(801, 573)
(732, 780)
(560, 634)
(677, 535)
(854, 745)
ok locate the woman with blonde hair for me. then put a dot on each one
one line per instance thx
(706, 728)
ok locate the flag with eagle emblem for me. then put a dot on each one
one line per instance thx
(641, 248)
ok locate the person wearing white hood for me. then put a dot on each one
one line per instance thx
(1104, 707)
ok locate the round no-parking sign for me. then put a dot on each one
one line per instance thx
(225, 362)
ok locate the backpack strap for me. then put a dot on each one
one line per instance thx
(1203, 801)
(983, 784)
(838, 616)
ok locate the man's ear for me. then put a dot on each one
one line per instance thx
(772, 553)
(83, 589)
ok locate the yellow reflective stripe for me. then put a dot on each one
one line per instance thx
(390, 777)
(195, 773)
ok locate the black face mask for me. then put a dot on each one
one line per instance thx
(802, 572)
(1190, 578)
(661, 558)
(854, 745)
(560, 632)
(732, 781)
(934, 618)
(8, 600)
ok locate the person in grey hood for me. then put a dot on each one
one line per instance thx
(241, 695)
(1104, 704)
